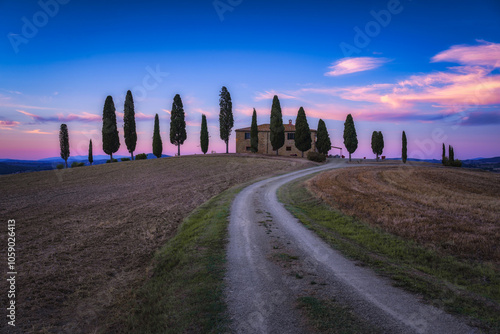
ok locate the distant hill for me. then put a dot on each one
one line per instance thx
(12, 166)
(491, 164)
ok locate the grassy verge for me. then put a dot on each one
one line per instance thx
(460, 287)
(328, 316)
(185, 293)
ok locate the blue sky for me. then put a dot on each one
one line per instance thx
(410, 73)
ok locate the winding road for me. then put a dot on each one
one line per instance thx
(273, 259)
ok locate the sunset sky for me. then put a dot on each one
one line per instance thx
(431, 68)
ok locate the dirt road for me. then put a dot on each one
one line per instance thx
(273, 259)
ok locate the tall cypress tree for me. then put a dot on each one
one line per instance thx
(157, 143)
(350, 137)
(64, 143)
(302, 132)
(177, 124)
(91, 155)
(277, 127)
(380, 139)
(110, 138)
(254, 133)
(451, 153)
(204, 134)
(129, 124)
(226, 121)
(375, 143)
(323, 143)
(404, 153)
(443, 156)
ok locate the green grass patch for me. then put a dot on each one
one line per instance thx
(328, 316)
(462, 287)
(185, 293)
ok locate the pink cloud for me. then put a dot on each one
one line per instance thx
(84, 116)
(269, 95)
(8, 125)
(485, 54)
(353, 65)
(38, 132)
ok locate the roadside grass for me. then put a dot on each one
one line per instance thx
(459, 286)
(328, 316)
(185, 293)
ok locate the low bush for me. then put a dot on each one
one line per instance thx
(60, 166)
(77, 164)
(125, 159)
(142, 156)
(315, 156)
(109, 161)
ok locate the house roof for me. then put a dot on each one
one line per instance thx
(267, 128)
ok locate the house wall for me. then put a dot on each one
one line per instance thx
(265, 146)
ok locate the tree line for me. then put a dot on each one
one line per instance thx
(178, 134)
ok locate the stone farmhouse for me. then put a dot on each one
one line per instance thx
(265, 147)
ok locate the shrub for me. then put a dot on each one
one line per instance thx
(142, 156)
(315, 156)
(455, 163)
(77, 164)
(109, 161)
(60, 166)
(125, 159)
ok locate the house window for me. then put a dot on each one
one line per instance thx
(291, 135)
(288, 148)
(247, 135)
(248, 148)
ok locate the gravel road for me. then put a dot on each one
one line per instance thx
(273, 259)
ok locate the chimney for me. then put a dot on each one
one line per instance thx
(290, 121)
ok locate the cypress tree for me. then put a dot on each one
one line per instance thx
(443, 156)
(404, 153)
(277, 128)
(323, 143)
(226, 121)
(129, 124)
(303, 139)
(350, 137)
(110, 139)
(254, 133)
(64, 143)
(157, 143)
(204, 134)
(451, 153)
(380, 145)
(91, 155)
(375, 143)
(177, 124)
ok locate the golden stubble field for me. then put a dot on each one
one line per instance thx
(86, 236)
(455, 211)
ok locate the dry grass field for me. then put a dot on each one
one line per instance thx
(86, 236)
(455, 211)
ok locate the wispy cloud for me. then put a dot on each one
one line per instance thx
(39, 132)
(84, 116)
(432, 96)
(481, 118)
(269, 95)
(485, 54)
(353, 65)
(8, 125)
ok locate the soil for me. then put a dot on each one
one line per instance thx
(85, 237)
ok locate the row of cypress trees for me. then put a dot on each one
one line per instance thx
(303, 140)
(351, 140)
